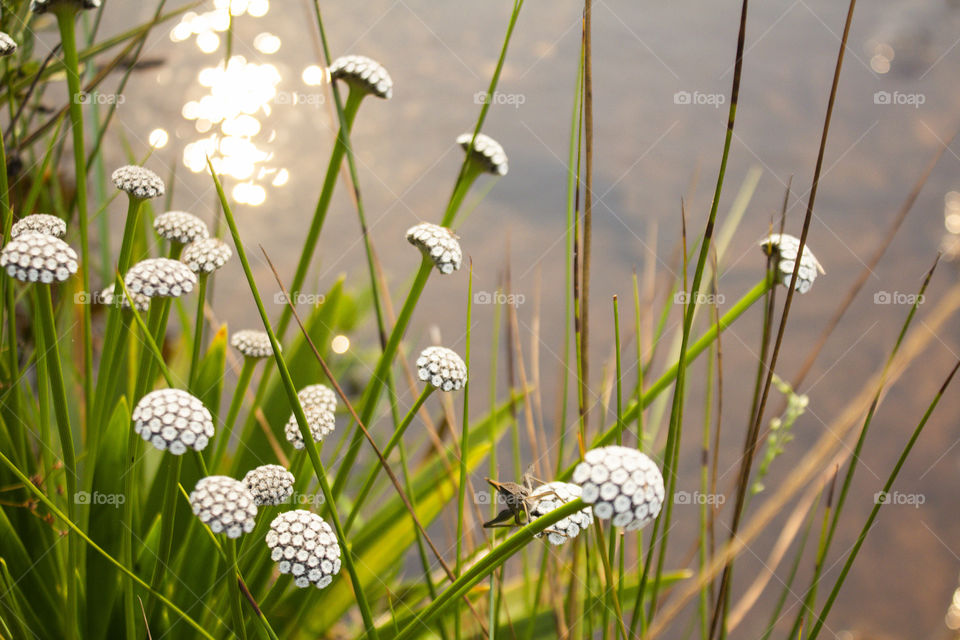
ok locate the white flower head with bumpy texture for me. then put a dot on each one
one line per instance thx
(364, 73)
(138, 182)
(252, 344)
(320, 421)
(784, 248)
(556, 495)
(140, 301)
(442, 368)
(7, 46)
(318, 395)
(621, 483)
(39, 223)
(180, 226)
(38, 257)
(270, 484)
(160, 277)
(225, 505)
(486, 151)
(173, 420)
(42, 6)
(439, 243)
(206, 255)
(304, 546)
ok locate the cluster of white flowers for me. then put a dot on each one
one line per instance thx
(252, 344)
(160, 277)
(439, 243)
(785, 248)
(270, 484)
(206, 255)
(365, 73)
(442, 368)
(39, 223)
(621, 483)
(138, 182)
(38, 257)
(180, 226)
(173, 420)
(304, 546)
(486, 151)
(225, 505)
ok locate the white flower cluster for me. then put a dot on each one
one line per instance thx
(270, 484)
(318, 395)
(160, 277)
(39, 223)
(304, 546)
(138, 182)
(486, 151)
(320, 421)
(252, 344)
(173, 420)
(180, 226)
(785, 248)
(38, 257)
(562, 493)
(622, 484)
(365, 73)
(225, 505)
(206, 255)
(439, 243)
(442, 368)
(7, 46)
(140, 301)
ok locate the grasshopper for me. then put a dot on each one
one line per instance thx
(519, 498)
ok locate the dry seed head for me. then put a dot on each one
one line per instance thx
(270, 484)
(40, 223)
(38, 257)
(439, 243)
(442, 368)
(621, 483)
(318, 395)
(320, 421)
(486, 151)
(364, 73)
(252, 344)
(569, 527)
(784, 248)
(140, 301)
(138, 182)
(304, 546)
(173, 420)
(160, 277)
(7, 46)
(225, 505)
(206, 255)
(180, 226)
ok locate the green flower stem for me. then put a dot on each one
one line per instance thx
(243, 383)
(354, 98)
(394, 439)
(60, 408)
(234, 588)
(172, 464)
(291, 391)
(66, 13)
(485, 567)
(79, 533)
(198, 331)
(694, 350)
(9, 300)
(472, 171)
(464, 438)
(372, 392)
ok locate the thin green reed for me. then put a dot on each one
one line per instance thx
(464, 438)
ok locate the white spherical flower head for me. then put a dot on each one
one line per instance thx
(7, 46)
(252, 344)
(38, 257)
(621, 483)
(320, 421)
(173, 420)
(160, 277)
(784, 248)
(363, 73)
(486, 151)
(138, 182)
(304, 546)
(442, 368)
(439, 243)
(39, 223)
(225, 505)
(140, 301)
(180, 226)
(557, 494)
(42, 6)
(270, 484)
(206, 255)
(318, 395)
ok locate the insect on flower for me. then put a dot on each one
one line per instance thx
(520, 500)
